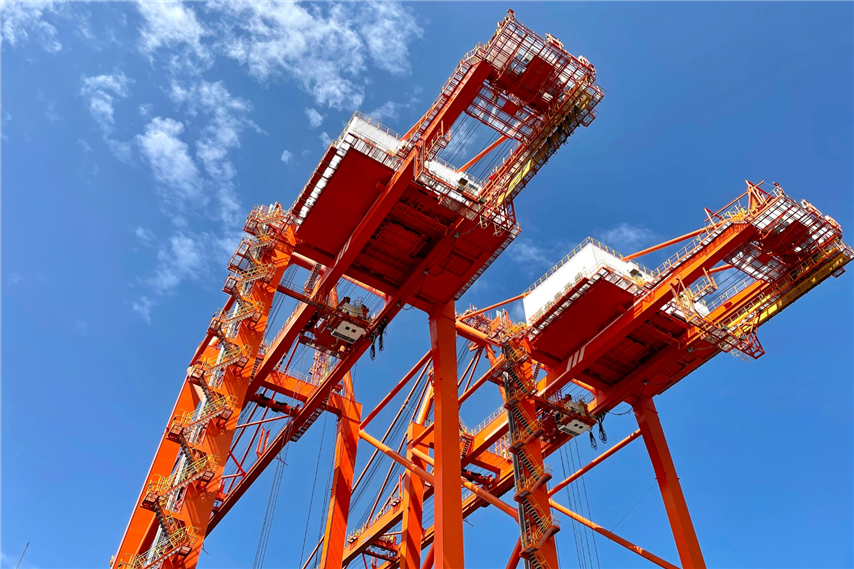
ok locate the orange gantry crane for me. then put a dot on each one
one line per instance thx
(387, 221)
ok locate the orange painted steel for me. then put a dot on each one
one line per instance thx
(593, 463)
(665, 244)
(502, 139)
(497, 305)
(386, 220)
(614, 537)
(671, 491)
(448, 502)
(400, 385)
(346, 441)
(515, 555)
(412, 525)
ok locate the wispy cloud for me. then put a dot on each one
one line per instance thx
(146, 236)
(286, 156)
(228, 117)
(23, 21)
(169, 157)
(525, 251)
(388, 28)
(324, 52)
(143, 307)
(101, 93)
(6, 118)
(184, 258)
(186, 179)
(174, 25)
(628, 238)
(315, 119)
(325, 139)
(388, 110)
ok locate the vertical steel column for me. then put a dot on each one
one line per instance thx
(412, 506)
(448, 507)
(346, 441)
(671, 491)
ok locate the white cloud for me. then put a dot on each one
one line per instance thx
(174, 25)
(15, 278)
(228, 118)
(6, 117)
(23, 20)
(145, 235)
(102, 91)
(286, 156)
(388, 28)
(326, 52)
(145, 109)
(628, 238)
(184, 258)
(143, 308)
(388, 110)
(84, 145)
(51, 114)
(170, 161)
(529, 254)
(325, 139)
(315, 119)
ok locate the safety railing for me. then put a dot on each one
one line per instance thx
(576, 251)
(178, 542)
(189, 472)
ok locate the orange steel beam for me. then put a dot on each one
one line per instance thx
(665, 244)
(473, 334)
(412, 506)
(468, 392)
(596, 461)
(614, 537)
(514, 557)
(723, 267)
(209, 335)
(429, 478)
(400, 385)
(483, 153)
(494, 306)
(309, 264)
(476, 490)
(428, 560)
(671, 491)
(346, 442)
(448, 505)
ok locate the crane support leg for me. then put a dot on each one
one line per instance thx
(671, 491)
(346, 441)
(412, 529)
(448, 498)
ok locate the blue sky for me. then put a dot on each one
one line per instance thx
(135, 139)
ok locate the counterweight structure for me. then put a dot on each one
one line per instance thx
(387, 221)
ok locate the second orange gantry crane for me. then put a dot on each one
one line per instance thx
(387, 221)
